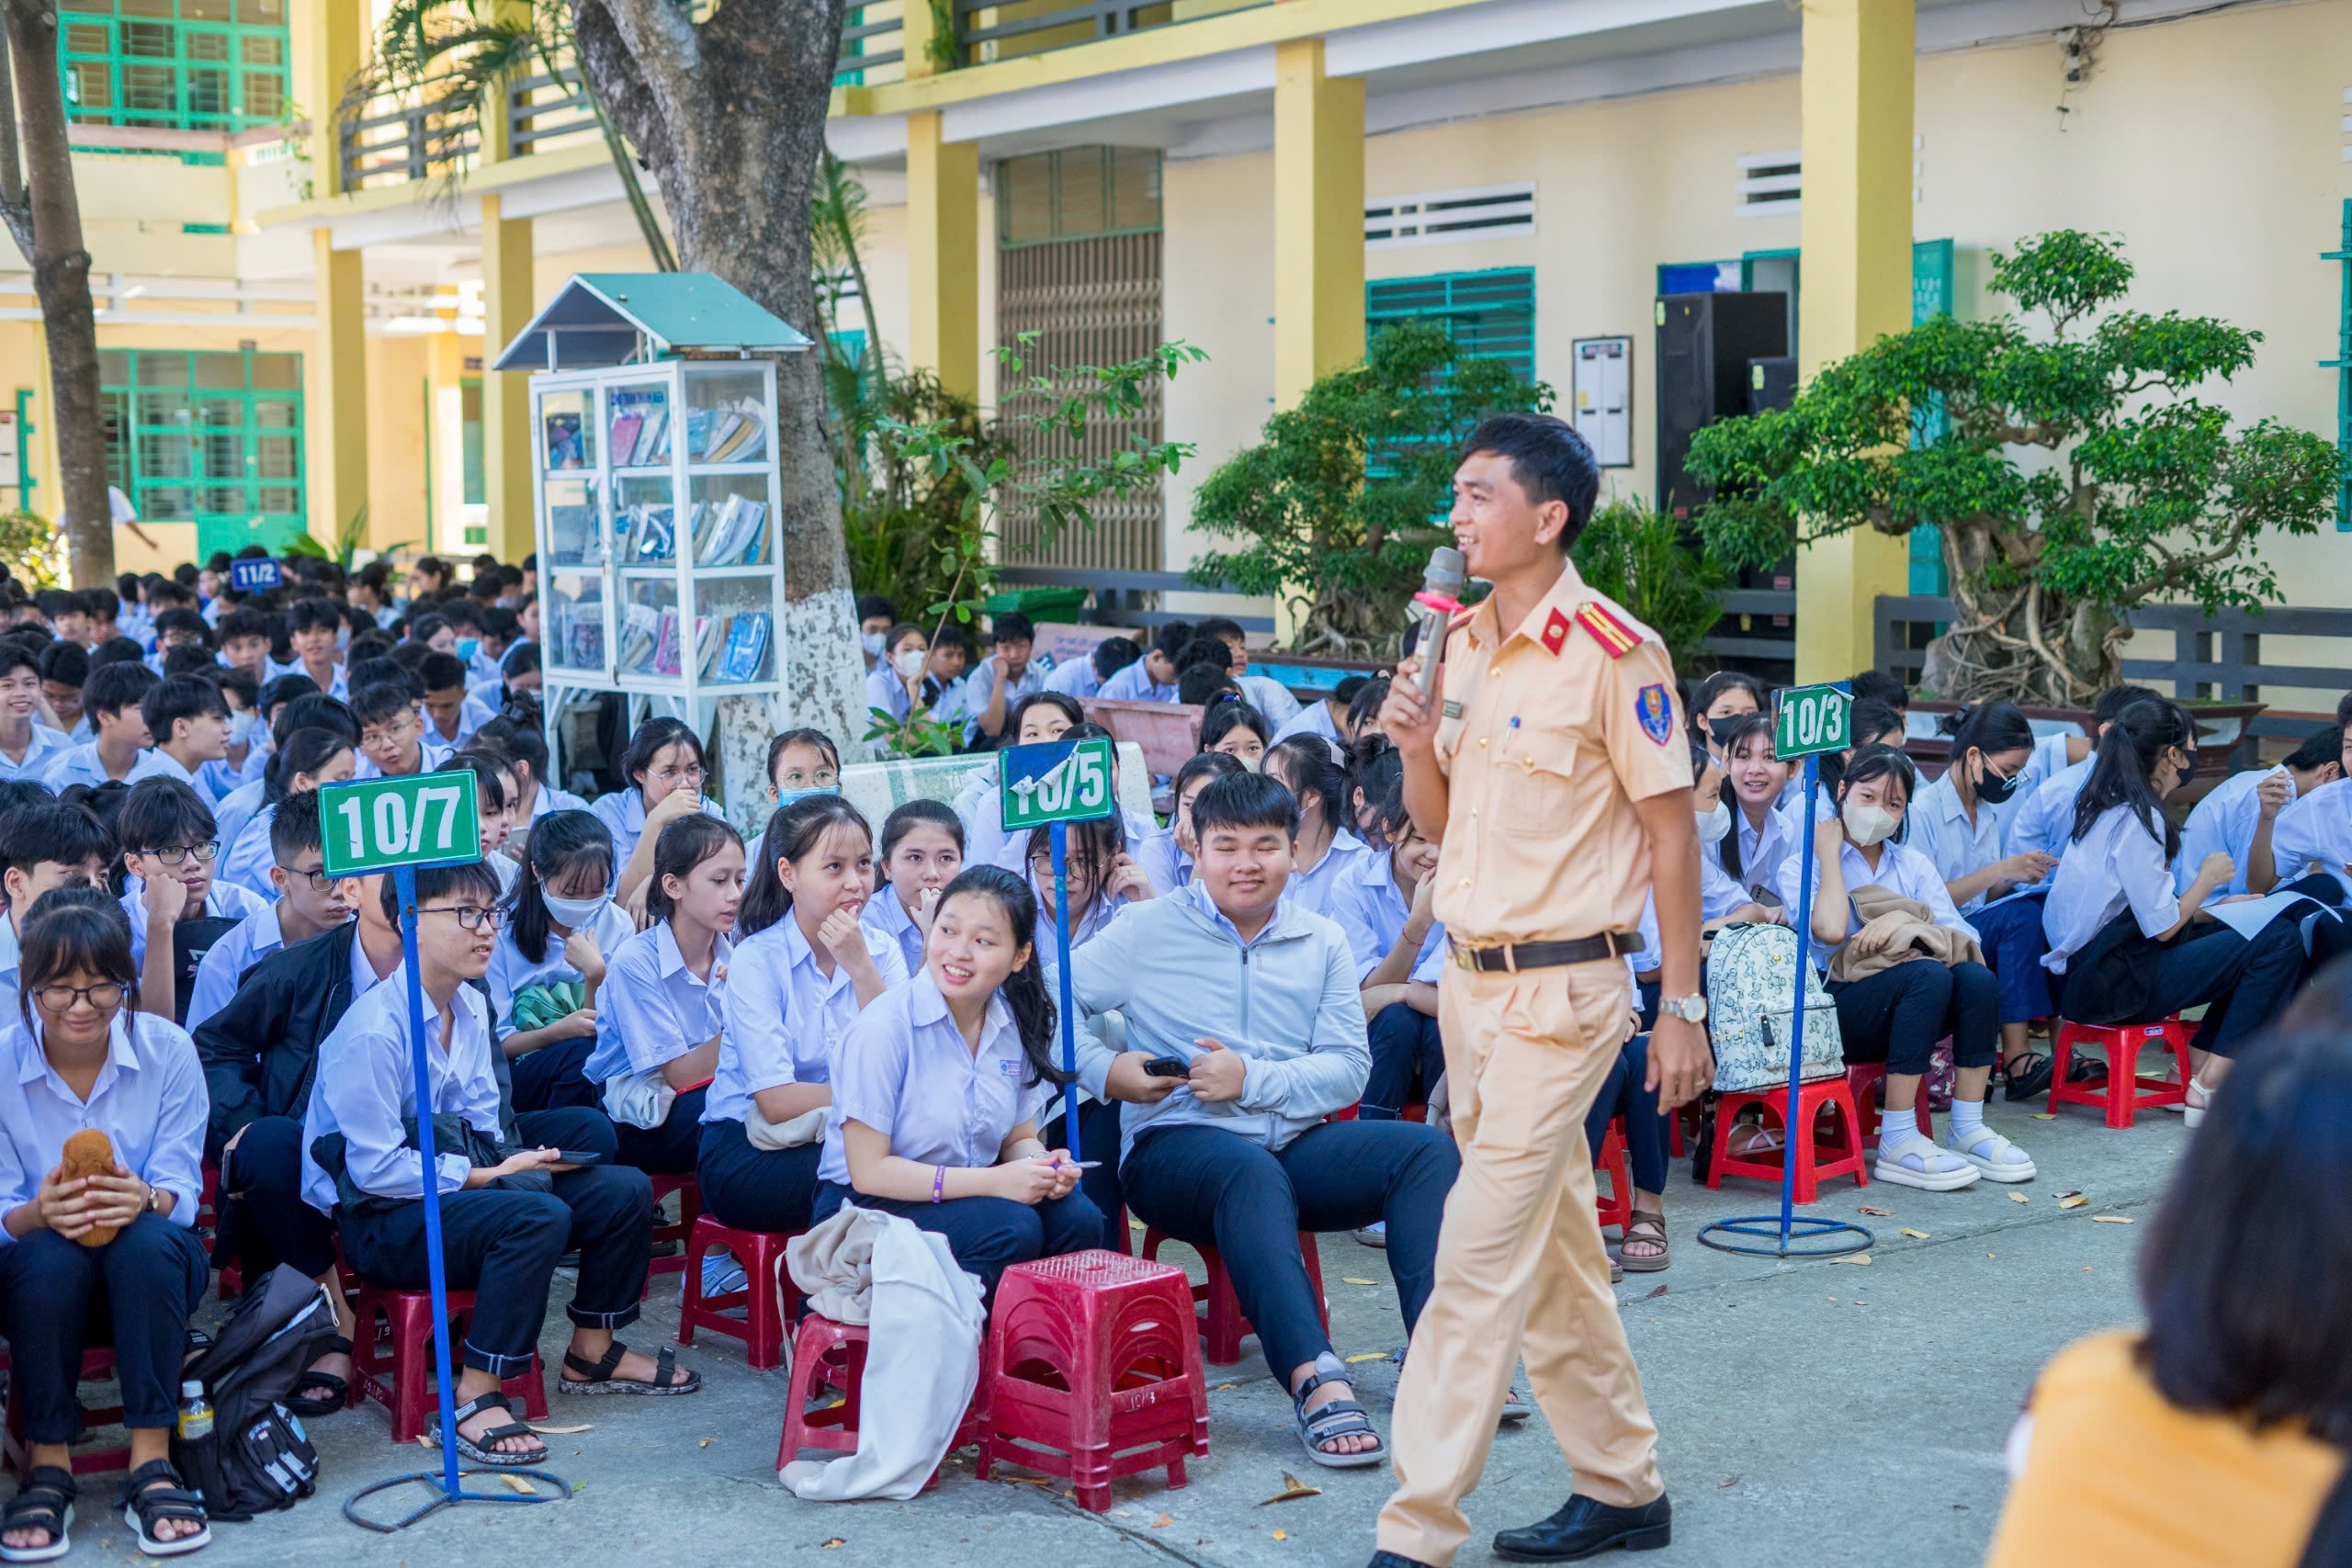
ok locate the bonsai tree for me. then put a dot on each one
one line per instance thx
(2074, 471)
(1342, 501)
(1636, 554)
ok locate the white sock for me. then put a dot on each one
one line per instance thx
(1897, 1129)
(1967, 1119)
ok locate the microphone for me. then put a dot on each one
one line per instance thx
(1432, 607)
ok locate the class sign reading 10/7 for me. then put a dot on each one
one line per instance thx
(1812, 719)
(384, 824)
(1056, 781)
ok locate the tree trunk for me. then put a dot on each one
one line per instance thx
(730, 115)
(61, 281)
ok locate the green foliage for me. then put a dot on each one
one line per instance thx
(1341, 500)
(916, 735)
(29, 547)
(350, 536)
(2073, 473)
(1636, 555)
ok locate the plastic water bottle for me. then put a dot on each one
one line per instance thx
(195, 1413)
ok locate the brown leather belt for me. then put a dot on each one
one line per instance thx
(1512, 957)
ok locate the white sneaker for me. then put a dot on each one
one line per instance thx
(1374, 1235)
(1995, 1155)
(2192, 1105)
(1915, 1162)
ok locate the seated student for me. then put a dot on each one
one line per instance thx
(499, 628)
(1374, 769)
(1198, 684)
(662, 772)
(1165, 855)
(309, 758)
(110, 701)
(804, 968)
(309, 710)
(81, 1057)
(309, 902)
(937, 1086)
(1326, 716)
(1324, 849)
(2239, 817)
(525, 750)
(875, 616)
(451, 714)
(944, 674)
(803, 761)
(64, 666)
(1084, 677)
(658, 1016)
(494, 808)
(1724, 695)
(562, 929)
(188, 720)
(2237, 1384)
(43, 845)
(519, 674)
(2045, 820)
(1868, 724)
(1268, 695)
(1002, 679)
(178, 911)
(1382, 905)
(1239, 1154)
(311, 627)
(1955, 823)
(392, 742)
(27, 745)
(2311, 839)
(1762, 832)
(895, 687)
(2130, 948)
(1232, 727)
(1878, 685)
(922, 852)
(243, 694)
(243, 636)
(1896, 1013)
(508, 1212)
(1626, 1096)
(1152, 678)
(433, 630)
(176, 628)
(1104, 878)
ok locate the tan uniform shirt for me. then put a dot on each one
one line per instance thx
(1549, 735)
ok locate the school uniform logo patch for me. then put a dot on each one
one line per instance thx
(1010, 1069)
(1655, 711)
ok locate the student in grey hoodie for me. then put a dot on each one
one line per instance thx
(1258, 998)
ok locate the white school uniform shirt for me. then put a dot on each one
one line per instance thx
(1901, 871)
(432, 752)
(339, 687)
(1135, 685)
(1942, 832)
(785, 1017)
(44, 748)
(367, 1083)
(1314, 718)
(2046, 821)
(235, 809)
(1314, 888)
(471, 716)
(1164, 860)
(2315, 828)
(1371, 910)
(1761, 850)
(80, 764)
(482, 667)
(979, 687)
(2225, 821)
(148, 1098)
(1719, 891)
(884, 690)
(1075, 678)
(1269, 697)
(885, 917)
(651, 1009)
(246, 862)
(254, 939)
(11, 967)
(511, 972)
(157, 764)
(215, 779)
(2046, 761)
(550, 798)
(2118, 865)
(622, 814)
(221, 900)
(903, 1069)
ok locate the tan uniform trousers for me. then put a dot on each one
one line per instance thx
(1520, 1258)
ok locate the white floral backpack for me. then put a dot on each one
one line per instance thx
(1751, 1003)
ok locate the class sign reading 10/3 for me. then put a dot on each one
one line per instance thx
(383, 824)
(1812, 719)
(1056, 781)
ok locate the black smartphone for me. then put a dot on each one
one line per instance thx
(1168, 1068)
(579, 1157)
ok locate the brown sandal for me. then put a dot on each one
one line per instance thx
(1647, 1225)
(1753, 1140)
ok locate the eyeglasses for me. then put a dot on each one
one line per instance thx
(823, 778)
(1072, 865)
(473, 916)
(691, 771)
(320, 879)
(400, 729)
(61, 999)
(178, 852)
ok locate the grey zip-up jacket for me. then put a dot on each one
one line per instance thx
(1288, 1003)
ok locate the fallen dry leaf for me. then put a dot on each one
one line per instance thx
(1293, 1489)
(1282, 1535)
(2072, 1192)
(1988, 1255)
(1915, 1235)
(829, 1545)
(706, 1442)
(2045, 1116)
(1223, 1386)
(2019, 1198)
(1352, 1279)
(1874, 1208)
(1861, 1260)
(2110, 1219)
(563, 1431)
(1727, 1480)
(1367, 1356)
(2077, 1201)
(1655, 1294)
(1162, 1522)
(517, 1483)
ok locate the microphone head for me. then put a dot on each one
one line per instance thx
(1443, 574)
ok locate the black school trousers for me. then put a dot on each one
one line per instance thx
(146, 1282)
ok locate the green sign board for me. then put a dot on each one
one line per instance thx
(1054, 781)
(1810, 720)
(383, 824)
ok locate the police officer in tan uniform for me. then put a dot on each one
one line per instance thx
(1556, 775)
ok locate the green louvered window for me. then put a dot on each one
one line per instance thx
(181, 65)
(1491, 314)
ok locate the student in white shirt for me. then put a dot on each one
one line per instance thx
(922, 850)
(804, 967)
(1324, 849)
(525, 750)
(451, 714)
(896, 684)
(2239, 816)
(946, 684)
(493, 810)
(1897, 1014)
(309, 759)
(177, 911)
(875, 616)
(1084, 677)
(659, 1016)
(308, 903)
(1763, 833)
(1003, 678)
(1326, 716)
(311, 627)
(392, 741)
(110, 701)
(1103, 879)
(64, 668)
(662, 776)
(218, 779)
(561, 929)
(803, 761)
(1165, 855)
(1268, 695)
(189, 721)
(1231, 726)
(2045, 820)
(2310, 841)
(1382, 905)
(27, 745)
(1723, 696)
(1152, 678)
(2130, 948)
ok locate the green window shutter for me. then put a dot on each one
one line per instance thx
(213, 439)
(183, 64)
(1932, 296)
(1491, 314)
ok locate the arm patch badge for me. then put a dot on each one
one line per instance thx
(1655, 711)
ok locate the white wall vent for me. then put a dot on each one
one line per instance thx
(1769, 183)
(1440, 217)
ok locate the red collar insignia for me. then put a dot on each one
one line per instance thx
(1555, 632)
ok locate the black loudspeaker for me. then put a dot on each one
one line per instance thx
(1771, 384)
(1704, 344)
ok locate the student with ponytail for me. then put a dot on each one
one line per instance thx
(1166, 853)
(922, 850)
(802, 970)
(561, 931)
(1231, 727)
(308, 759)
(938, 1087)
(1324, 849)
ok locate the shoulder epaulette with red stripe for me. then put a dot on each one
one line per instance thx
(1616, 639)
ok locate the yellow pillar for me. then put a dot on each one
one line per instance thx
(943, 253)
(337, 39)
(505, 395)
(915, 34)
(338, 390)
(1856, 233)
(1318, 219)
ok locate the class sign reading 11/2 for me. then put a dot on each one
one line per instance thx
(1811, 719)
(383, 824)
(1056, 781)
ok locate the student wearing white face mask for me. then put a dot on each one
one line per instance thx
(876, 615)
(561, 927)
(896, 684)
(1901, 982)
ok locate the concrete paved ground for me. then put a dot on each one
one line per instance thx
(1807, 1410)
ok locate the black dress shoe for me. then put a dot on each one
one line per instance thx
(1586, 1527)
(1395, 1560)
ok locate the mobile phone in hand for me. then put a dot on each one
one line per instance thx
(1168, 1068)
(579, 1157)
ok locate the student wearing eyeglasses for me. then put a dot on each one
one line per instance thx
(309, 902)
(178, 912)
(664, 769)
(392, 741)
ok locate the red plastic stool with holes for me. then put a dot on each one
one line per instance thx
(1840, 1155)
(2125, 1093)
(689, 1194)
(97, 1365)
(1863, 1079)
(1220, 1316)
(394, 1367)
(827, 1352)
(1616, 1205)
(768, 1297)
(1093, 1373)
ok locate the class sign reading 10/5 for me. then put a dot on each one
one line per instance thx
(1812, 719)
(382, 824)
(1056, 781)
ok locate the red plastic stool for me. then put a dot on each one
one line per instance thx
(768, 1297)
(1841, 1155)
(97, 1365)
(689, 1192)
(2122, 1093)
(1863, 1079)
(395, 1368)
(1093, 1373)
(826, 1352)
(1220, 1316)
(1616, 1207)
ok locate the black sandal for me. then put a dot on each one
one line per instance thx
(45, 1502)
(146, 1505)
(582, 1376)
(339, 1395)
(2029, 1076)
(479, 1451)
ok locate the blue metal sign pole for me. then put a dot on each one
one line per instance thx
(1060, 833)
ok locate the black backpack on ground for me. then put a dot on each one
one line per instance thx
(258, 1458)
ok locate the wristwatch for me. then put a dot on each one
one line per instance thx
(155, 1197)
(1691, 1008)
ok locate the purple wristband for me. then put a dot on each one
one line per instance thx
(938, 1184)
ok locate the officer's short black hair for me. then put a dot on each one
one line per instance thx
(1549, 461)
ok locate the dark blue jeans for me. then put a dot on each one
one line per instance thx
(549, 1078)
(746, 1189)
(988, 1235)
(265, 1221)
(1404, 1044)
(1897, 1015)
(1648, 1130)
(2011, 936)
(1207, 1186)
(148, 1278)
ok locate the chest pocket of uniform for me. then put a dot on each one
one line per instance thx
(1532, 783)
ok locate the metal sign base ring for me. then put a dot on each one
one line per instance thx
(1802, 1227)
(442, 1497)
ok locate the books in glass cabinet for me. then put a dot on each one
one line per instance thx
(732, 533)
(565, 448)
(728, 432)
(639, 435)
(728, 650)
